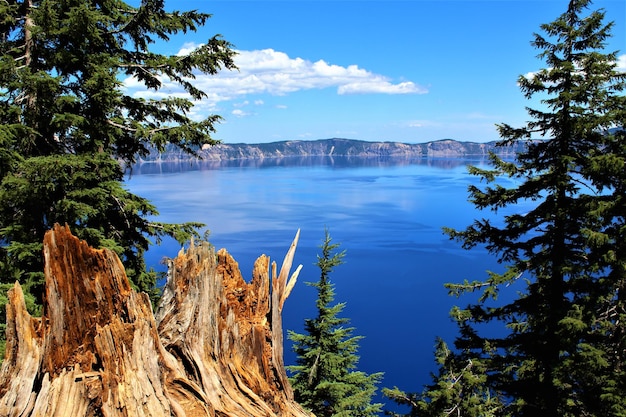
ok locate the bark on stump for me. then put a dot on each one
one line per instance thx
(214, 347)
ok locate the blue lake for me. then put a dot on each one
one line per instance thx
(386, 214)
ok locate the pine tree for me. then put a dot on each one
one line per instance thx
(553, 359)
(68, 127)
(459, 388)
(325, 379)
(559, 344)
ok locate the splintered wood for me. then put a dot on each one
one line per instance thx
(214, 347)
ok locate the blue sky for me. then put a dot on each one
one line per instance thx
(408, 71)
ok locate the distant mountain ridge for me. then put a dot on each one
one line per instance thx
(445, 148)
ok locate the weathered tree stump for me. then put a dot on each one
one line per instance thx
(214, 349)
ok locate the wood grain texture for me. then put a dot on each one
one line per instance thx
(213, 348)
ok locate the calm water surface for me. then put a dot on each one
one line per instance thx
(386, 214)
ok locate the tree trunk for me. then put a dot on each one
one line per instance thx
(213, 348)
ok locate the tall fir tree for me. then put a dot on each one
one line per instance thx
(559, 346)
(458, 389)
(325, 378)
(68, 126)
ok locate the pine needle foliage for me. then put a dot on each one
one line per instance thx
(325, 378)
(458, 389)
(560, 342)
(69, 126)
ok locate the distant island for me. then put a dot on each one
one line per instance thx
(445, 148)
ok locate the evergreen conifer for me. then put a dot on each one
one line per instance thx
(556, 348)
(69, 128)
(459, 388)
(325, 379)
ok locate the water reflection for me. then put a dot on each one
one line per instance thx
(338, 162)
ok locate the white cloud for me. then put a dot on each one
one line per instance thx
(380, 86)
(187, 48)
(621, 63)
(273, 72)
(239, 113)
(422, 124)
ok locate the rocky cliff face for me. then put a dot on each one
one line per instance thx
(335, 147)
